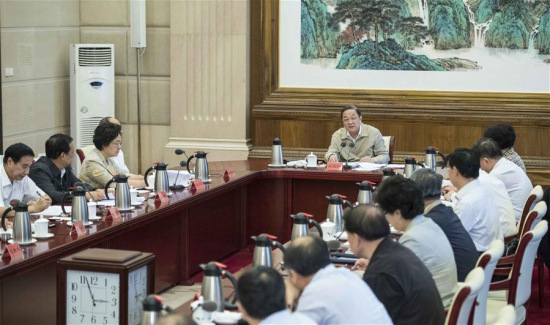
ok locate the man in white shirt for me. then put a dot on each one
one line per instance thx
(503, 204)
(329, 295)
(473, 204)
(515, 180)
(15, 183)
(261, 298)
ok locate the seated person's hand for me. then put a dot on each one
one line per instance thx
(39, 205)
(9, 224)
(361, 264)
(448, 190)
(367, 159)
(332, 158)
(96, 195)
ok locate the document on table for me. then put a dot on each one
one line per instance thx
(366, 166)
(396, 166)
(53, 210)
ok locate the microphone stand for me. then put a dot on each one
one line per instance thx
(346, 165)
(176, 187)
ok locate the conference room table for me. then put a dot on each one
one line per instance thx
(193, 228)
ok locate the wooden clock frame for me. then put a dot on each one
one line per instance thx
(122, 269)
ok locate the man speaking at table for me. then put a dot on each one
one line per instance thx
(356, 141)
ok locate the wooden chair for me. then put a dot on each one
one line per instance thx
(81, 155)
(464, 298)
(506, 316)
(530, 220)
(516, 290)
(534, 197)
(487, 261)
(389, 142)
(527, 224)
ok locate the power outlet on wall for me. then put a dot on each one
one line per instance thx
(9, 72)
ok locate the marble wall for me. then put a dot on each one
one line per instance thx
(35, 38)
(194, 73)
(209, 73)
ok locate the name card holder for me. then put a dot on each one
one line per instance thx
(113, 214)
(161, 200)
(334, 167)
(78, 228)
(229, 175)
(13, 252)
(197, 186)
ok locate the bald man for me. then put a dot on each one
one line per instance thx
(329, 295)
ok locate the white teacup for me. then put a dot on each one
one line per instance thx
(133, 194)
(329, 229)
(92, 209)
(311, 160)
(41, 227)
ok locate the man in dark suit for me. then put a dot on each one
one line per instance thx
(53, 173)
(394, 273)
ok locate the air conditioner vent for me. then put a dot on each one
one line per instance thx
(87, 128)
(95, 56)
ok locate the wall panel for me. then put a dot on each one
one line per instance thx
(306, 118)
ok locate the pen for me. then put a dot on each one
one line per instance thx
(39, 195)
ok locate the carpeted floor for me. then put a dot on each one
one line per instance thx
(535, 314)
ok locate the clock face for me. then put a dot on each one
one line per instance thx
(137, 291)
(92, 297)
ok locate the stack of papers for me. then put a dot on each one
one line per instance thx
(366, 166)
(53, 210)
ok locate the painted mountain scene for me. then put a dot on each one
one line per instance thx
(425, 35)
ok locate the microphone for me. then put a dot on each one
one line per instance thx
(334, 245)
(178, 187)
(343, 145)
(182, 152)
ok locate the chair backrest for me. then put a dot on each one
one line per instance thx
(533, 218)
(464, 298)
(81, 155)
(522, 270)
(534, 197)
(487, 261)
(389, 142)
(506, 316)
(88, 149)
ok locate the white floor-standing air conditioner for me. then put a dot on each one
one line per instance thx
(92, 91)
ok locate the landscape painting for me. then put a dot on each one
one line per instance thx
(464, 45)
(426, 35)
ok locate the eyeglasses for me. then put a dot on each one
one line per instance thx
(117, 143)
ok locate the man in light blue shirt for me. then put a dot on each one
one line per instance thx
(261, 298)
(329, 295)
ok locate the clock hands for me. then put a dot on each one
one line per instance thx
(90, 289)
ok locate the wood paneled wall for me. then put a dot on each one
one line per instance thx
(305, 119)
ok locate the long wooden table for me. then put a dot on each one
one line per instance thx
(192, 229)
